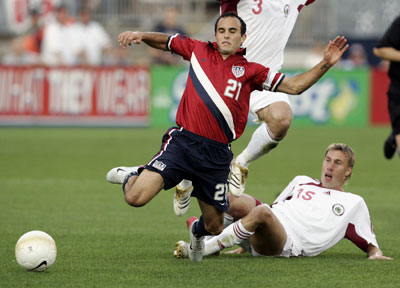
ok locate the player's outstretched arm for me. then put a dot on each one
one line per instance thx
(153, 39)
(374, 253)
(387, 53)
(300, 83)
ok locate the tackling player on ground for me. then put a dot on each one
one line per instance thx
(308, 217)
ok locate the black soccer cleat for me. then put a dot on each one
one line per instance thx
(389, 148)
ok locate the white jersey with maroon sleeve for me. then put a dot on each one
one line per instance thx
(269, 25)
(318, 217)
(215, 102)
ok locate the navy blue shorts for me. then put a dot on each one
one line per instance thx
(185, 155)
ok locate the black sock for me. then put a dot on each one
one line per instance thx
(198, 228)
(133, 173)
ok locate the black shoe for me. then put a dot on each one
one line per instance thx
(389, 147)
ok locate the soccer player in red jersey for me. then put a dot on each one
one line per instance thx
(269, 25)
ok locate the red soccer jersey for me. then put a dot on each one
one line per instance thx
(215, 102)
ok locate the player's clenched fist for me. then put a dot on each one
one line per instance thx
(129, 37)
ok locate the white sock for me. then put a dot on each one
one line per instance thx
(260, 143)
(184, 184)
(232, 235)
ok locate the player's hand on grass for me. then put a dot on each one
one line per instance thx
(236, 251)
(335, 49)
(129, 37)
(379, 257)
(374, 253)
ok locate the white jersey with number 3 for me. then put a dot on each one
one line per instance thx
(269, 25)
(317, 218)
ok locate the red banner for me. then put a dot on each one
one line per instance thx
(74, 96)
(379, 104)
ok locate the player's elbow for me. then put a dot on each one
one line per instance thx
(377, 52)
(298, 91)
(291, 86)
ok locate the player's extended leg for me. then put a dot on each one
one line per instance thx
(277, 119)
(261, 226)
(238, 208)
(139, 190)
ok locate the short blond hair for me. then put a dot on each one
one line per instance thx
(347, 150)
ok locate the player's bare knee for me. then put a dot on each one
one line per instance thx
(214, 227)
(134, 199)
(278, 124)
(263, 214)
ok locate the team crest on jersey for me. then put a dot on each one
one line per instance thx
(286, 10)
(338, 209)
(238, 71)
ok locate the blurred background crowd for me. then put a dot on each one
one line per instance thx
(84, 32)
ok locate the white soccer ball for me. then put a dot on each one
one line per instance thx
(36, 251)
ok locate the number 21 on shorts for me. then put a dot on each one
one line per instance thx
(221, 192)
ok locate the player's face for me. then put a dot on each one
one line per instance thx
(335, 169)
(228, 36)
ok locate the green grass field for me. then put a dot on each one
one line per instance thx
(54, 180)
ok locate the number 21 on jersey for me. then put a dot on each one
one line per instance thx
(232, 90)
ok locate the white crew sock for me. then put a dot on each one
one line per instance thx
(232, 235)
(260, 143)
(184, 184)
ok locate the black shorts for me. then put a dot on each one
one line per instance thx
(185, 155)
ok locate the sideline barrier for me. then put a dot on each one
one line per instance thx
(74, 96)
(121, 97)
